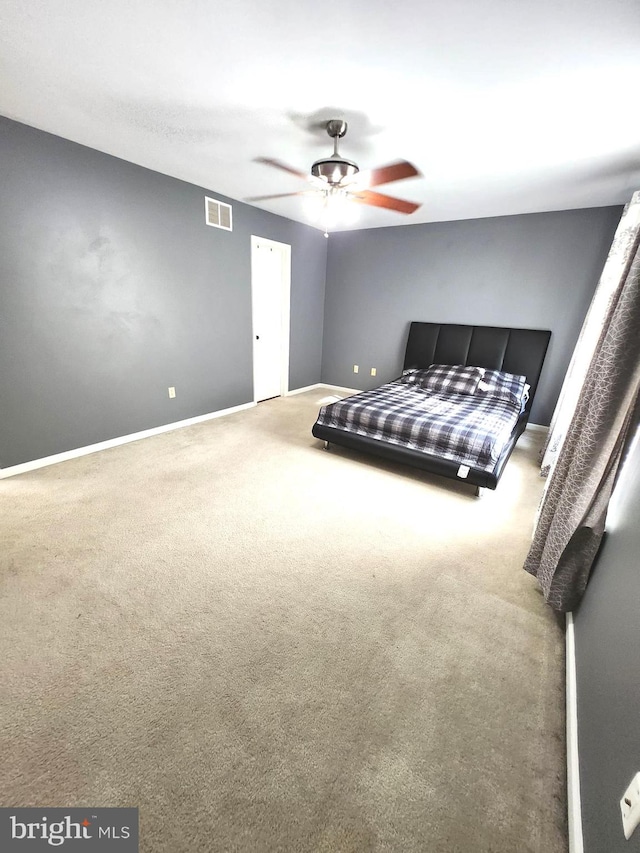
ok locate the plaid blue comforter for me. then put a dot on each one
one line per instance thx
(470, 429)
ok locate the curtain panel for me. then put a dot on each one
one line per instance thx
(572, 515)
(612, 275)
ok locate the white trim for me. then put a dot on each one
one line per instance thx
(537, 428)
(116, 442)
(341, 388)
(285, 250)
(302, 390)
(322, 385)
(576, 841)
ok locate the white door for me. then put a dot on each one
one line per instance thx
(270, 286)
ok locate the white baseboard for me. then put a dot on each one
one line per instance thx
(302, 390)
(323, 385)
(340, 388)
(576, 841)
(115, 442)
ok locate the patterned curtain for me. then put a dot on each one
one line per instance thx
(612, 275)
(573, 511)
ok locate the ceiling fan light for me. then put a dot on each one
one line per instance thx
(314, 206)
(350, 213)
(334, 169)
(337, 209)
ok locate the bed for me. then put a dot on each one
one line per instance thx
(457, 410)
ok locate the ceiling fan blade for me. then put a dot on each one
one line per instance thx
(268, 161)
(387, 201)
(386, 174)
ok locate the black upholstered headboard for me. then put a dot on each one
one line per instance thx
(519, 351)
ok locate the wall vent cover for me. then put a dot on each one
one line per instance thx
(218, 214)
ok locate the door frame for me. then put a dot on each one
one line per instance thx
(285, 315)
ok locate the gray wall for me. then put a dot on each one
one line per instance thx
(607, 636)
(534, 271)
(112, 288)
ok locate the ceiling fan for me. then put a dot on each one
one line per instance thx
(336, 180)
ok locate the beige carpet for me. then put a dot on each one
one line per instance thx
(270, 647)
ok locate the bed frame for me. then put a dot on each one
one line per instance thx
(519, 351)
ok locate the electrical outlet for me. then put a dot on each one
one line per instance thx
(355, 368)
(373, 371)
(630, 807)
(172, 392)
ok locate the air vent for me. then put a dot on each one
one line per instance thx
(217, 214)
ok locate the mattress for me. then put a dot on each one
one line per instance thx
(471, 430)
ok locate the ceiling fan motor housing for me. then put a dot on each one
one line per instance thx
(336, 127)
(336, 168)
(333, 170)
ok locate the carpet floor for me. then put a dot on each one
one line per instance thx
(269, 647)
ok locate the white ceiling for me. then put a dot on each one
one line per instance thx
(505, 106)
